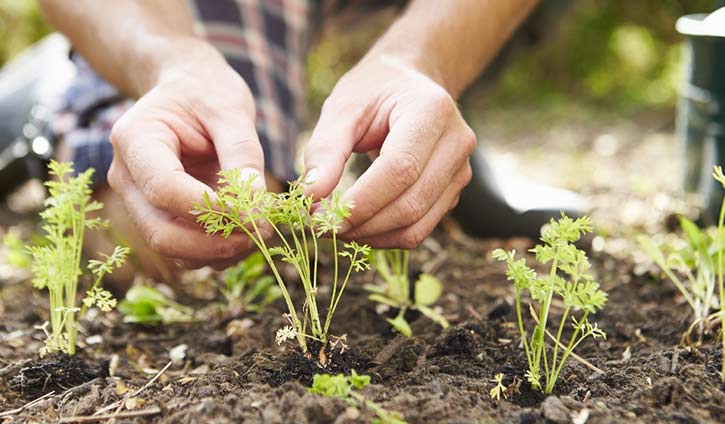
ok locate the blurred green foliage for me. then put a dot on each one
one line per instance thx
(20, 26)
(611, 55)
(607, 53)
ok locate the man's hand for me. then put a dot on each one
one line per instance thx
(168, 148)
(398, 104)
(420, 142)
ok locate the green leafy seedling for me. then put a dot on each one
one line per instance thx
(299, 229)
(16, 253)
(246, 284)
(394, 291)
(695, 258)
(56, 261)
(345, 388)
(694, 264)
(147, 305)
(569, 280)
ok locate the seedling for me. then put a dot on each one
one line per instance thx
(696, 258)
(498, 389)
(345, 388)
(720, 177)
(56, 263)
(699, 259)
(147, 305)
(289, 216)
(569, 280)
(392, 265)
(246, 284)
(16, 254)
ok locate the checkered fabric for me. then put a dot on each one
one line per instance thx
(265, 41)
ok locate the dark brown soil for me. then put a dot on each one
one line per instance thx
(58, 373)
(233, 371)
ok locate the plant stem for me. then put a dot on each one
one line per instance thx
(543, 317)
(573, 343)
(521, 327)
(721, 218)
(564, 316)
(331, 312)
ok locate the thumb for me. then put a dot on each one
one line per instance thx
(329, 149)
(237, 146)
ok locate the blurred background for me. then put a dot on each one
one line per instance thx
(590, 107)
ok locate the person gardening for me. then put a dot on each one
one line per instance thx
(220, 85)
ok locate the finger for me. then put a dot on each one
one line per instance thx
(403, 158)
(415, 203)
(168, 236)
(237, 145)
(150, 153)
(216, 265)
(331, 144)
(412, 236)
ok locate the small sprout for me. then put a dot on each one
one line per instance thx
(394, 291)
(16, 254)
(247, 285)
(568, 279)
(147, 305)
(285, 333)
(56, 261)
(345, 388)
(498, 388)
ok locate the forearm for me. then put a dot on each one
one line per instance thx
(452, 41)
(130, 42)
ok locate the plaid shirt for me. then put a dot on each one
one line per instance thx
(265, 41)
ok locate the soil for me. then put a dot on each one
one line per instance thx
(232, 371)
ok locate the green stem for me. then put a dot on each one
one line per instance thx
(558, 337)
(331, 312)
(720, 288)
(543, 318)
(259, 242)
(521, 326)
(573, 343)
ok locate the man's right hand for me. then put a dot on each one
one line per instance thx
(197, 119)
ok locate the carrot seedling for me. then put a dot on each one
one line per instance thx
(289, 216)
(568, 279)
(392, 265)
(147, 305)
(56, 263)
(345, 388)
(246, 284)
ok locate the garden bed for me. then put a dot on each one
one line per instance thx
(232, 370)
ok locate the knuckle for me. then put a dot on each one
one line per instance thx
(455, 202)
(413, 210)
(154, 191)
(227, 249)
(412, 238)
(119, 132)
(113, 177)
(469, 141)
(442, 102)
(408, 168)
(467, 175)
(159, 243)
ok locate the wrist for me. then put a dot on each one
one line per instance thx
(173, 58)
(409, 60)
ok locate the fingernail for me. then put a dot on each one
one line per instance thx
(311, 177)
(248, 173)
